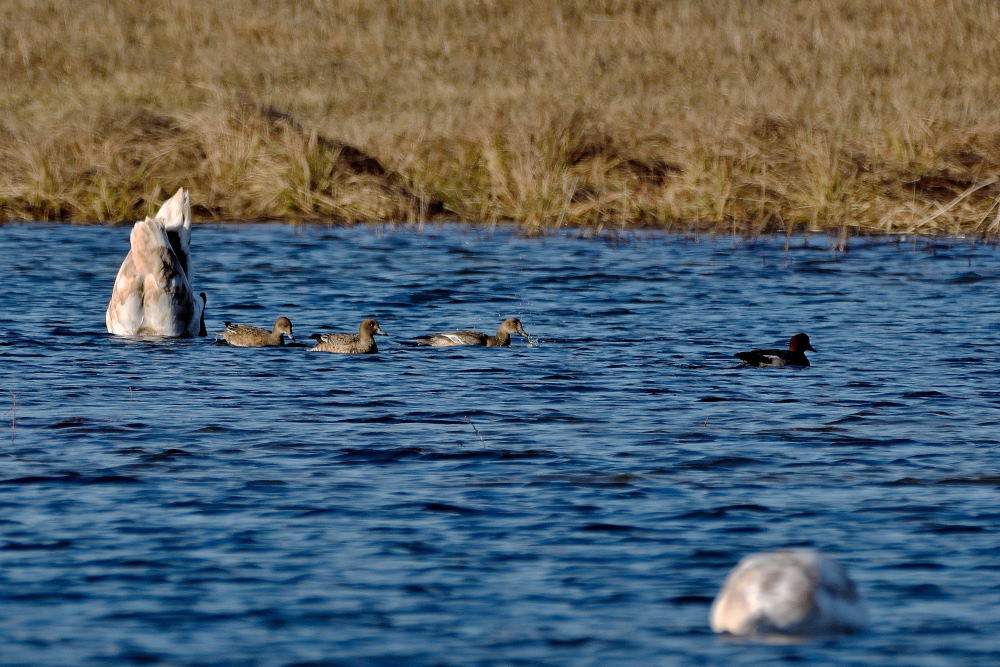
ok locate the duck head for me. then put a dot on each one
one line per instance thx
(284, 325)
(372, 328)
(800, 343)
(513, 325)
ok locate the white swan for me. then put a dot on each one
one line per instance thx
(153, 295)
(788, 592)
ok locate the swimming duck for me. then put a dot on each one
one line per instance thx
(795, 355)
(788, 592)
(244, 335)
(153, 295)
(501, 339)
(359, 343)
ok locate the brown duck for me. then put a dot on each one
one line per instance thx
(359, 343)
(244, 335)
(501, 339)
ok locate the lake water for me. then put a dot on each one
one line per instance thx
(574, 502)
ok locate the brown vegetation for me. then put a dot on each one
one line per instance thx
(752, 117)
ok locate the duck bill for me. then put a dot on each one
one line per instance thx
(380, 332)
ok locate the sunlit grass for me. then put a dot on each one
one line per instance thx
(745, 117)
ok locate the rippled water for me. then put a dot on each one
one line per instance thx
(577, 502)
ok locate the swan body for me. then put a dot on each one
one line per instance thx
(788, 592)
(153, 294)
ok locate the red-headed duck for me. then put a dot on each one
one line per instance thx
(795, 355)
(788, 592)
(244, 335)
(359, 343)
(501, 339)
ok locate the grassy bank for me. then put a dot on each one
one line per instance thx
(853, 116)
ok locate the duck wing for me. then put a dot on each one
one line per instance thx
(449, 338)
(335, 338)
(243, 330)
(763, 357)
(244, 335)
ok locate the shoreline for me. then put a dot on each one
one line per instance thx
(294, 174)
(800, 240)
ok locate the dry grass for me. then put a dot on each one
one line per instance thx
(754, 116)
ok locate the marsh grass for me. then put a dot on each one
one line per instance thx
(743, 117)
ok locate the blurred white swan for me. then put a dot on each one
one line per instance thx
(153, 295)
(788, 592)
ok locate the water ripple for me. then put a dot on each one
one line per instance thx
(574, 502)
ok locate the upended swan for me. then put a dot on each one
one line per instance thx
(153, 295)
(788, 592)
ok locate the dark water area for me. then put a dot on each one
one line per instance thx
(578, 501)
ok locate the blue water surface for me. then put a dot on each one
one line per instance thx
(578, 501)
